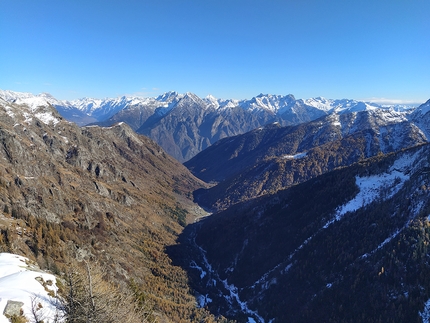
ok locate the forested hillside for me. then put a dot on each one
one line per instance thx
(346, 246)
(272, 158)
(103, 196)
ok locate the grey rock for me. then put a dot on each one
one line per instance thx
(13, 308)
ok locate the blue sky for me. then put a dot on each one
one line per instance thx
(367, 49)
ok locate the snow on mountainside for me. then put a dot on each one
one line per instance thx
(320, 103)
(348, 106)
(264, 160)
(421, 118)
(221, 103)
(26, 107)
(277, 104)
(11, 96)
(422, 109)
(33, 101)
(340, 106)
(24, 285)
(43, 101)
(105, 108)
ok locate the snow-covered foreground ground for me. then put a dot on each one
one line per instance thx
(22, 281)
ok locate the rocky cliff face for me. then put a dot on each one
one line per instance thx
(60, 157)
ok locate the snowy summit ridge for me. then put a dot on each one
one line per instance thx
(277, 104)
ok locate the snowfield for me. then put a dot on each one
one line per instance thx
(383, 185)
(22, 281)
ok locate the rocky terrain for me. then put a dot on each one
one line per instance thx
(104, 195)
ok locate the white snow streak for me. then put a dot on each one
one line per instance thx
(296, 156)
(234, 295)
(195, 266)
(425, 314)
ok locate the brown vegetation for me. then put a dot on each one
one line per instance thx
(106, 196)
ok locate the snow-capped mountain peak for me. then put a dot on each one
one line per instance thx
(22, 107)
(11, 96)
(210, 97)
(191, 96)
(320, 103)
(212, 101)
(168, 96)
(276, 104)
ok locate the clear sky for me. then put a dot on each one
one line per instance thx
(362, 49)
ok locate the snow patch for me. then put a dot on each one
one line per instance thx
(203, 300)
(22, 282)
(296, 156)
(371, 188)
(195, 266)
(234, 295)
(46, 118)
(381, 186)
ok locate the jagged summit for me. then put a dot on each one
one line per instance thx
(168, 96)
(271, 102)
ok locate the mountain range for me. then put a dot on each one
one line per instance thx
(184, 124)
(323, 221)
(320, 209)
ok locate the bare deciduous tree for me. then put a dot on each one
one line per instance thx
(91, 299)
